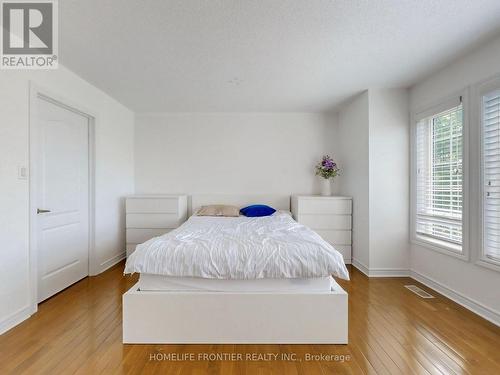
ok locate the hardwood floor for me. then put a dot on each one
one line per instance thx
(391, 331)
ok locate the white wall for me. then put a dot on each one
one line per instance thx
(114, 177)
(373, 144)
(230, 152)
(353, 158)
(467, 282)
(389, 185)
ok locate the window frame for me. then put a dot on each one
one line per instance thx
(479, 90)
(442, 246)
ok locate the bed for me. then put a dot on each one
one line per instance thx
(236, 280)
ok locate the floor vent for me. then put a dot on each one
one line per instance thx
(419, 292)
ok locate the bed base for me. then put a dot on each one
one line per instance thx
(159, 317)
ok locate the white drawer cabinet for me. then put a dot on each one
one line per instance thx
(154, 220)
(140, 235)
(330, 217)
(149, 216)
(327, 221)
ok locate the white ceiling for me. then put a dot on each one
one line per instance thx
(267, 55)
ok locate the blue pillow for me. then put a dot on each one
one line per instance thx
(257, 210)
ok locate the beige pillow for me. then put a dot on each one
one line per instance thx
(218, 210)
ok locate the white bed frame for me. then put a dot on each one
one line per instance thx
(159, 317)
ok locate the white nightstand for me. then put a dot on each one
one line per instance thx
(330, 217)
(150, 216)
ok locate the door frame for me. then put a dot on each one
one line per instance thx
(37, 92)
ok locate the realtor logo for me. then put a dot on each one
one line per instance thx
(29, 34)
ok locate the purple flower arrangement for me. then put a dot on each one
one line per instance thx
(327, 168)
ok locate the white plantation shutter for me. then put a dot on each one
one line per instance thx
(439, 197)
(491, 174)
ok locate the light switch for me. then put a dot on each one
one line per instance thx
(22, 172)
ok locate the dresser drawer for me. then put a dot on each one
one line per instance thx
(152, 205)
(338, 222)
(140, 235)
(153, 221)
(345, 250)
(325, 206)
(130, 248)
(340, 237)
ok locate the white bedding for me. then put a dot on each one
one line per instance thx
(196, 284)
(238, 248)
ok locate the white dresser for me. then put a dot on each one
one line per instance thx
(330, 217)
(148, 216)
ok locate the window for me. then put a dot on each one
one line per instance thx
(490, 157)
(438, 182)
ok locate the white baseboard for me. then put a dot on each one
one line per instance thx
(14, 319)
(380, 272)
(112, 261)
(389, 272)
(360, 266)
(22, 314)
(469, 303)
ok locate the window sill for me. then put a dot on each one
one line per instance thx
(442, 247)
(488, 263)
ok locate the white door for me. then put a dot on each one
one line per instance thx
(62, 186)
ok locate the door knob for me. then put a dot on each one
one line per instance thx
(41, 211)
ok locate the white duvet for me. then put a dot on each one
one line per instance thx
(239, 248)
